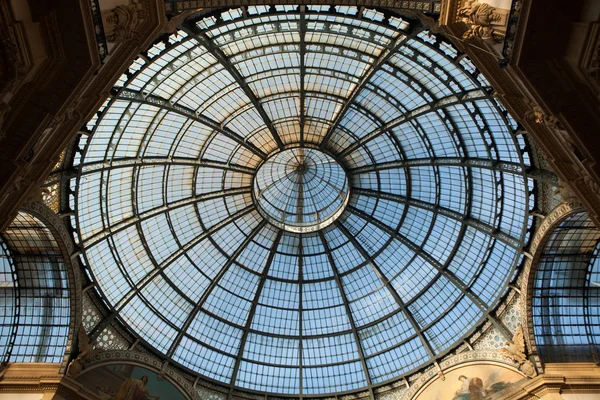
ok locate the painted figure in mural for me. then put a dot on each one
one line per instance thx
(134, 389)
(471, 389)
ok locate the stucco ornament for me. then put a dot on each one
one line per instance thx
(120, 22)
(551, 122)
(480, 17)
(541, 117)
(564, 190)
(516, 351)
(175, 21)
(87, 350)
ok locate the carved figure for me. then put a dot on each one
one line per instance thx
(178, 19)
(516, 352)
(541, 117)
(87, 350)
(120, 22)
(478, 31)
(480, 17)
(476, 13)
(587, 180)
(551, 122)
(566, 193)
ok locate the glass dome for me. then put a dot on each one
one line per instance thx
(302, 201)
(301, 189)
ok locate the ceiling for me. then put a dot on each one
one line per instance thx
(302, 202)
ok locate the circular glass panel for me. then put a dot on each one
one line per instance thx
(301, 189)
(189, 212)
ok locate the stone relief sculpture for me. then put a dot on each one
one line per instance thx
(516, 352)
(485, 21)
(566, 193)
(171, 26)
(551, 122)
(87, 350)
(541, 117)
(120, 22)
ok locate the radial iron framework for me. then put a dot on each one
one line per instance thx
(408, 264)
(301, 190)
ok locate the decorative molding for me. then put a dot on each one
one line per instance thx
(590, 59)
(99, 29)
(174, 7)
(512, 28)
(30, 378)
(560, 378)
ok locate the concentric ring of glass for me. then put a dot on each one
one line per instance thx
(301, 189)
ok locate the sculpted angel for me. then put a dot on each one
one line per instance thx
(516, 351)
(480, 17)
(87, 350)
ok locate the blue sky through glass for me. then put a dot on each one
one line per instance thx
(428, 240)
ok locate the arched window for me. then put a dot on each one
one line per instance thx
(34, 297)
(566, 292)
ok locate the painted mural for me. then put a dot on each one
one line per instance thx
(128, 382)
(473, 382)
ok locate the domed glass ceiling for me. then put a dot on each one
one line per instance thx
(301, 190)
(302, 201)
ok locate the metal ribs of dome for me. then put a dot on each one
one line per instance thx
(430, 238)
(301, 190)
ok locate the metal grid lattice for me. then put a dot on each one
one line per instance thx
(418, 259)
(566, 293)
(36, 299)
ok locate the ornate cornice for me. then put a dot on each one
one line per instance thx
(42, 378)
(30, 378)
(564, 378)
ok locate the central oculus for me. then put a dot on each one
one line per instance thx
(301, 189)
